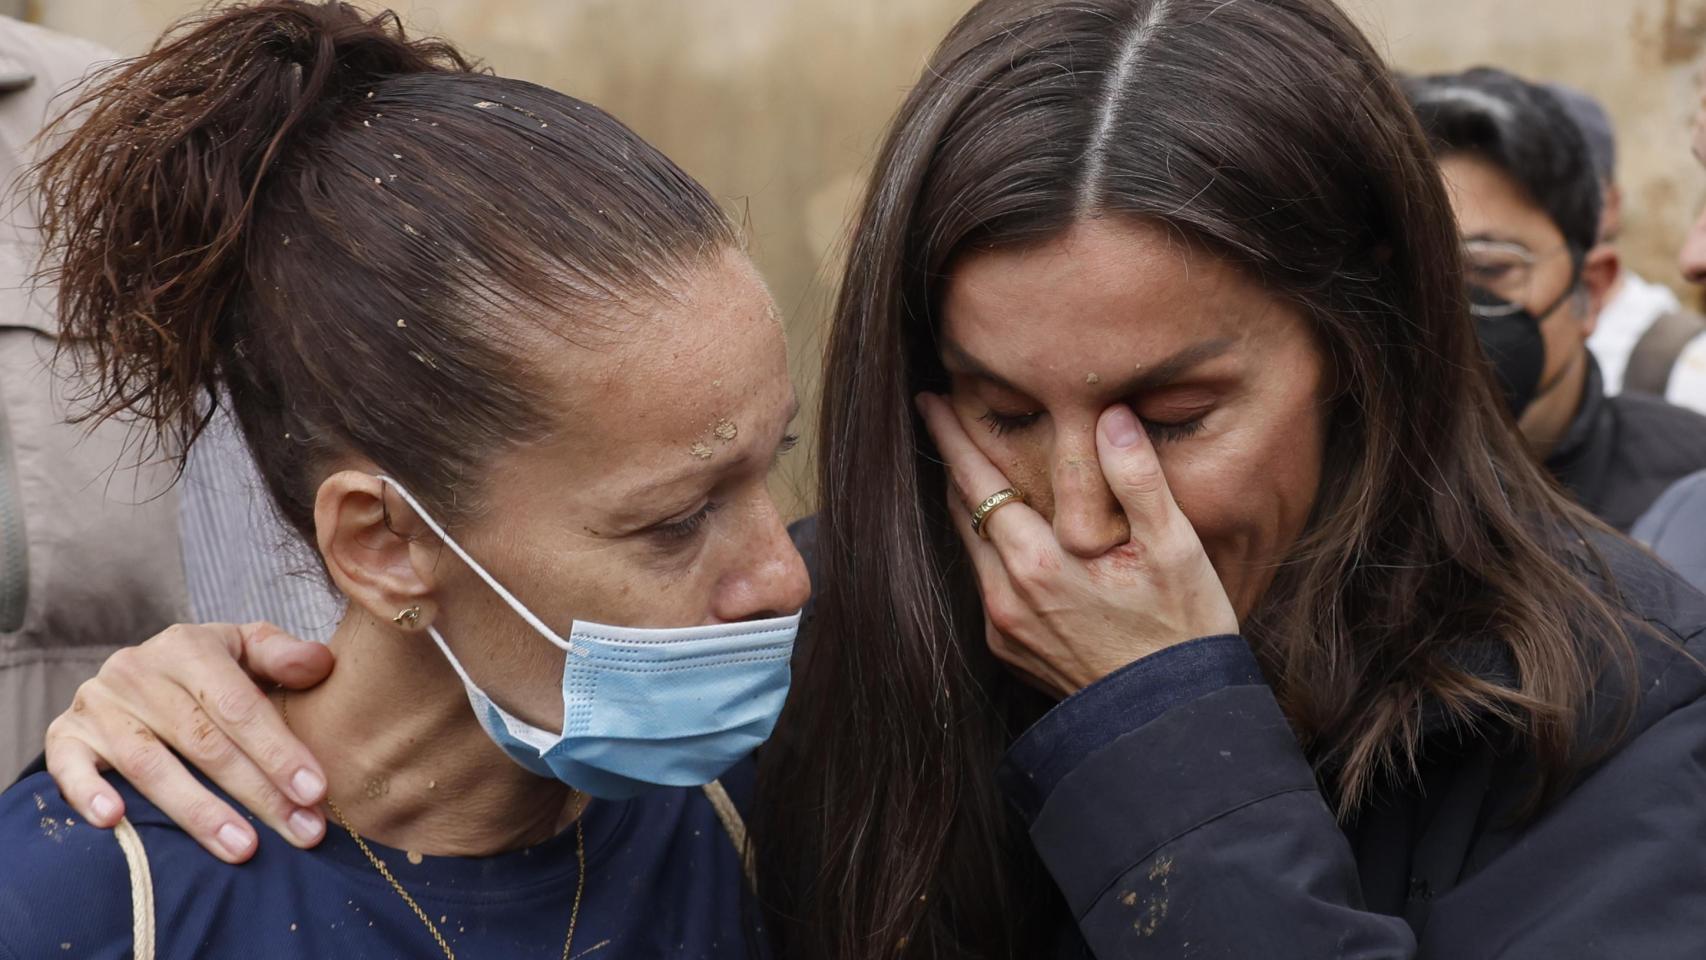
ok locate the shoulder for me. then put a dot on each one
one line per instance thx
(1667, 626)
(1633, 579)
(1675, 527)
(1657, 430)
(61, 880)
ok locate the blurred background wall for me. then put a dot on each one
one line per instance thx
(777, 105)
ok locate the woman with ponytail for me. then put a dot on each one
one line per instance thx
(506, 367)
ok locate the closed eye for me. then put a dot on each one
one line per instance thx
(1002, 424)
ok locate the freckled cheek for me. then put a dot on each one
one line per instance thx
(1248, 507)
(1025, 464)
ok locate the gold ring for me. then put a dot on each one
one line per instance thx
(994, 502)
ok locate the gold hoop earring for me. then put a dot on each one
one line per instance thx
(410, 617)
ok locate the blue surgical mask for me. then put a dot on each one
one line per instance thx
(643, 708)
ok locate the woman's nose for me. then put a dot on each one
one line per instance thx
(770, 579)
(1088, 520)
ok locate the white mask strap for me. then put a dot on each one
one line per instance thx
(514, 604)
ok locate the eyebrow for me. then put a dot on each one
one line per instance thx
(1156, 375)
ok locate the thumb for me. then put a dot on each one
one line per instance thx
(1133, 473)
(271, 654)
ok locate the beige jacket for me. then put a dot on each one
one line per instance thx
(89, 545)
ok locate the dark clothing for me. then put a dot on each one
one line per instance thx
(1179, 816)
(1621, 452)
(663, 879)
(1675, 528)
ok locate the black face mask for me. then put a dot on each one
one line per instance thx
(1514, 346)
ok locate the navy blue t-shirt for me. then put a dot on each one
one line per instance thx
(663, 879)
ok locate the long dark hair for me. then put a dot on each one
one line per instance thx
(351, 234)
(1272, 134)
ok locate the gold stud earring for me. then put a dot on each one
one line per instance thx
(410, 617)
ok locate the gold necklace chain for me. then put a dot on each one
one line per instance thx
(432, 928)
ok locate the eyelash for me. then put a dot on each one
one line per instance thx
(684, 529)
(1001, 424)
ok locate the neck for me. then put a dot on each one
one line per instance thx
(1617, 285)
(1549, 417)
(407, 762)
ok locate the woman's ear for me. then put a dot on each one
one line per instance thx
(369, 545)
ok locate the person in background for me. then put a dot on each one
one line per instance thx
(1644, 339)
(1675, 526)
(80, 539)
(1528, 201)
(88, 552)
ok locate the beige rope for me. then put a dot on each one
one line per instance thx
(141, 889)
(736, 828)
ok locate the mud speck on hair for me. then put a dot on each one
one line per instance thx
(401, 322)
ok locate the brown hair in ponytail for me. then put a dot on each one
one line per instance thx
(299, 206)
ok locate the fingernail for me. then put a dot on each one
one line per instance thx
(105, 807)
(235, 841)
(1119, 426)
(306, 785)
(305, 825)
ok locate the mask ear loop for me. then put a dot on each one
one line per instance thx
(1578, 267)
(516, 605)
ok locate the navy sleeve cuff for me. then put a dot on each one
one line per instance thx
(1115, 705)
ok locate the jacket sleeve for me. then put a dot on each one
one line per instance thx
(1176, 812)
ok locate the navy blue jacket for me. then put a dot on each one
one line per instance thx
(1180, 818)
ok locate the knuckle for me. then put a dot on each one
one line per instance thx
(142, 762)
(1032, 566)
(176, 636)
(124, 663)
(1145, 480)
(203, 816)
(61, 729)
(1002, 614)
(240, 705)
(267, 797)
(204, 742)
(273, 757)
